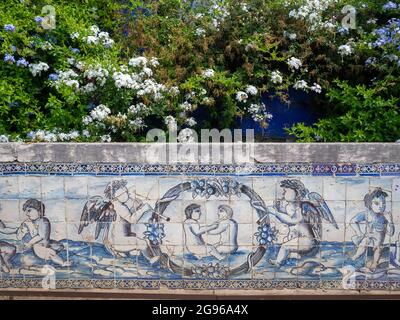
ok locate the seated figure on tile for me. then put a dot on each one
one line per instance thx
(120, 220)
(227, 229)
(372, 226)
(302, 211)
(7, 250)
(194, 232)
(38, 227)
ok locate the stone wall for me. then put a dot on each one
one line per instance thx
(295, 218)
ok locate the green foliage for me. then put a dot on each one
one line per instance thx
(364, 116)
(244, 43)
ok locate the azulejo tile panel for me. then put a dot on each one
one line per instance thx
(261, 227)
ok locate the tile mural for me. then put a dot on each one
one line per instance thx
(273, 226)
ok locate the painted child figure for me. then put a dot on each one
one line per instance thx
(377, 223)
(194, 241)
(227, 230)
(294, 211)
(39, 228)
(7, 250)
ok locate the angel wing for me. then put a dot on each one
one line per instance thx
(100, 211)
(315, 210)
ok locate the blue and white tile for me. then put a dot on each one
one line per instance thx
(29, 187)
(52, 187)
(334, 189)
(9, 188)
(357, 188)
(76, 187)
(10, 211)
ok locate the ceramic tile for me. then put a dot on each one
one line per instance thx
(76, 187)
(9, 211)
(9, 188)
(337, 209)
(334, 189)
(29, 187)
(52, 188)
(356, 188)
(396, 189)
(209, 229)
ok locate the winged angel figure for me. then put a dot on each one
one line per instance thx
(303, 212)
(121, 220)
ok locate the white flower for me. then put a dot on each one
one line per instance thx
(138, 108)
(294, 63)
(86, 133)
(125, 80)
(251, 90)
(98, 73)
(276, 77)
(186, 136)
(174, 91)
(345, 50)
(100, 112)
(259, 112)
(147, 71)
(108, 42)
(154, 62)
(72, 83)
(300, 85)
(138, 61)
(74, 35)
(95, 29)
(50, 137)
(71, 61)
(200, 32)
(80, 65)
(73, 135)
(191, 122)
(90, 87)
(138, 123)
(316, 88)
(242, 96)
(186, 106)
(105, 138)
(87, 120)
(37, 68)
(46, 46)
(290, 36)
(98, 37)
(67, 78)
(92, 40)
(312, 11)
(209, 73)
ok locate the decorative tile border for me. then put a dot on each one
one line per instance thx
(201, 285)
(268, 169)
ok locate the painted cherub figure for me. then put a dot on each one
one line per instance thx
(377, 224)
(38, 227)
(7, 250)
(302, 211)
(194, 233)
(227, 229)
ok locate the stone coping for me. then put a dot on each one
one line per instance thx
(146, 153)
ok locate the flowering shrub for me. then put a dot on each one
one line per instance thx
(111, 70)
